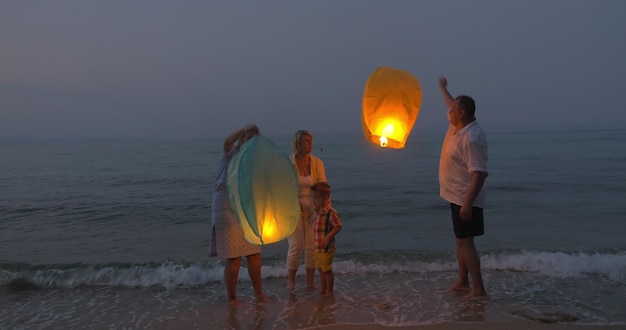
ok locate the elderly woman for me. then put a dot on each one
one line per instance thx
(227, 238)
(310, 170)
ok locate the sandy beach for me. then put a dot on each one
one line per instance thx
(392, 306)
(310, 315)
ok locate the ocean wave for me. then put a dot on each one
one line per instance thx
(561, 264)
(20, 277)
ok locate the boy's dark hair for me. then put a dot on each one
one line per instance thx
(321, 188)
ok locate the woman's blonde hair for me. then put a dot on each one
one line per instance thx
(297, 137)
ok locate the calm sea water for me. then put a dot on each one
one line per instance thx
(114, 234)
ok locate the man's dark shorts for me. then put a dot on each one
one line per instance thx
(474, 227)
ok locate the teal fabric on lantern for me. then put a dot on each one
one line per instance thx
(263, 191)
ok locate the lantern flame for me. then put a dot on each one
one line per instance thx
(389, 129)
(386, 131)
(383, 142)
(269, 230)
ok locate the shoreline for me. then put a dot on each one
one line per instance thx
(508, 325)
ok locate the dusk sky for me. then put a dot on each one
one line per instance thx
(196, 69)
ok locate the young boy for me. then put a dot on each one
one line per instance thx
(327, 225)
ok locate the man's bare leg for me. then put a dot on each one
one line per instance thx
(462, 282)
(472, 261)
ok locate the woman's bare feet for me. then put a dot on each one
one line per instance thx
(476, 294)
(235, 303)
(262, 298)
(459, 286)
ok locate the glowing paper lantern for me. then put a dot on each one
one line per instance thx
(263, 191)
(391, 104)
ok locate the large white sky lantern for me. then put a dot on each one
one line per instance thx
(263, 191)
(391, 104)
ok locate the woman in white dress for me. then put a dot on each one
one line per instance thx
(227, 237)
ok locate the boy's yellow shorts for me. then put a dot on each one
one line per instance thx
(324, 260)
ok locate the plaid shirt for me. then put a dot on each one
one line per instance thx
(325, 220)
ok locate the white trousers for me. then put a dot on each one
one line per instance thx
(301, 241)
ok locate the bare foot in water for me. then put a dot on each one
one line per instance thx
(235, 303)
(476, 294)
(262, 298)
(459, 286)
(291, 286)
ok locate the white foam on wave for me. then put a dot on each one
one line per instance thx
(172, 275)
(560, 264)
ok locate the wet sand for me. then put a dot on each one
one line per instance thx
(517, 325)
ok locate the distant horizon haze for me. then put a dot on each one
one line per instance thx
(159, 69)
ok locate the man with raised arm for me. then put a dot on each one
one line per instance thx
(462, 173)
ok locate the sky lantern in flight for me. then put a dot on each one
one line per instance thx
(263, 191)
(391, 104)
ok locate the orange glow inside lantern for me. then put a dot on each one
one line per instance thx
(391, 103)
(269, 230)
(390, 129)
